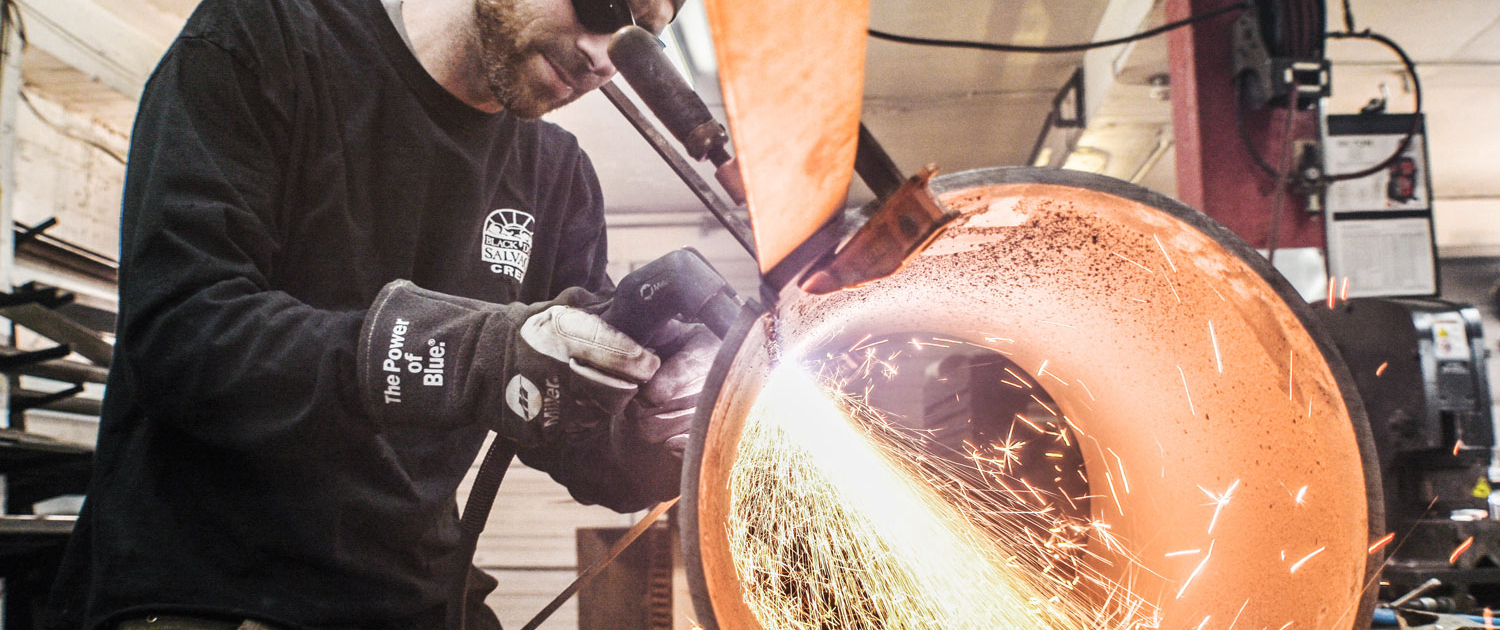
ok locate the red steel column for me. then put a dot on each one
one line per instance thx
(1214, 171)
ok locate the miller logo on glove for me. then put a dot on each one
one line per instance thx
(534, 371)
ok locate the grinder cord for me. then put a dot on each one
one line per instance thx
(476, 513)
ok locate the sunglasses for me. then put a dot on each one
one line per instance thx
(604, 16)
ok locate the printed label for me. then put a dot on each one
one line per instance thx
(394, 355)
(523, 397)
(399, 362)
(1450, 337)
(507, 242)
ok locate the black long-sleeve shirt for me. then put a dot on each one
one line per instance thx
(290, 158)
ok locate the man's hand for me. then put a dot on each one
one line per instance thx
(599, 369)
(534, 371)
(650, 437)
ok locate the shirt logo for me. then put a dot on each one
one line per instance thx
(507, 242)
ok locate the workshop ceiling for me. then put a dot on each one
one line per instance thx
(955, 108)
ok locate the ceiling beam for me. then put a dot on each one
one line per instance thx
(1100, 65)
(94, 40)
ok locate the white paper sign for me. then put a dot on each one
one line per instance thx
(1401, 186)
(1382, 257)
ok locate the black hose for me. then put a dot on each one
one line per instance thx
(1416, 89)
(1065, 48)
(476, 513)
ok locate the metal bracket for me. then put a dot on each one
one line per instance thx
(35, 230)
(1068, 116)
(904, 223)
(24, 403)
(33, 293)
(32, 357)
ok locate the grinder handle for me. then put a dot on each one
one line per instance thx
(681, 283)
(639, 57)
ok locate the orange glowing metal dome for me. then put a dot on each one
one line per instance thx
(1168, 342)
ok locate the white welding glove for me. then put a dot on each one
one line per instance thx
(536, 372)
(649, 438)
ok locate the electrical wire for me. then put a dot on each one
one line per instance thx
(1416, 115)
(1066, 48)
(25, 98)
(1283, 177)
(1244, 132)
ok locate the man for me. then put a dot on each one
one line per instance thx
(348, 251)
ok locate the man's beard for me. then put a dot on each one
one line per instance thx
(503, 56)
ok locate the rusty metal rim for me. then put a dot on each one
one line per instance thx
(1232, 243)
(687, 516)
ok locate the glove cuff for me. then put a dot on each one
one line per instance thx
(436, 359)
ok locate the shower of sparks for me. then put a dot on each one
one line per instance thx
(837, 521)
(1459, 552)
(1185, 552)
(1187, 391)
(1301, 497)
(855, 347)
(999, 340)
(1197, 570)
(1049, 409)
(1086, 390)
(1381, 370)
(1457, 446)
(1298, 564)
(1058, 324)
(1029, 423)
(1219, 501)
(1173, 288)
(1164, 253)
(1018, 377)
(919, 344)
(1122, 257)
(1043, 370)
(1204, 622)
(1237, 615)
(1332, 295)
(1114, 494)
(1121, 463)
(1286, 625)
(1291, 355)
(1344, 292)
(1219, 361)
(1384, 540)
